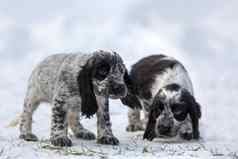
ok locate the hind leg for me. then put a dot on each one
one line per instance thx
(135, 123)
(77, 128)
(30, 105)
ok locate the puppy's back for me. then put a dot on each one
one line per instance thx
(44, 75)
(153, 72)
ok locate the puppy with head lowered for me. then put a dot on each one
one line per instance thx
(73, 84)
(161, 86)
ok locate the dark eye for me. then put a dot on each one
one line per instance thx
(179, 111)
(177, 108)
(102, 71)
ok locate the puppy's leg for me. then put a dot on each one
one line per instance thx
(135, 124)
(77, 128)
(59, 123)
(105, 135)
(31, 103)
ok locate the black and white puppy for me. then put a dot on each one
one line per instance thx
(74, 83)
(161, 86)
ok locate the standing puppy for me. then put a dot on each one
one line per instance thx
(161, 86)
(74, 83)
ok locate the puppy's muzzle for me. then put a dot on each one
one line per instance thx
(165, 126)
(117, 91)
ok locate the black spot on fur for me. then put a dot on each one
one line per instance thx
(155, 110)
(128, 81)
(194, 111)
(88, 104)
(143, 73)
(130, 100)
(182, 109)
(102, 70)
(173, 87)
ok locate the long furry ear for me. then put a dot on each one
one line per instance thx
(153, 115)
(130, 100)
(88, 99)
(128, 80)
(194, 111)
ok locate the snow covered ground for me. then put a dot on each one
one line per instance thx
(201, 34)
(217, 96)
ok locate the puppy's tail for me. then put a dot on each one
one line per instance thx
(15, 122)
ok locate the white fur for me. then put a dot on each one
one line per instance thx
(176, 75)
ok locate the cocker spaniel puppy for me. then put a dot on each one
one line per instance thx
(74, 83)
(161, 86)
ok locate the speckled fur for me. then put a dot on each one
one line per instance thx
(55, 81)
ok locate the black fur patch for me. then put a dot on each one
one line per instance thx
(155, 110)
(102, 70)
(89, 103)
(182, 109)
(143, 73)
(194, 111)
(130, 100)
(173, 87)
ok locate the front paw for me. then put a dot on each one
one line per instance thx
(28, 137)
(61, 141)
(149, 135)
(108, 140)
(134, 127)
(86, 135)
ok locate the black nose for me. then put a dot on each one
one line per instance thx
(163, 130)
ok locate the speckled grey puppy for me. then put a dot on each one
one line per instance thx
(74, 83)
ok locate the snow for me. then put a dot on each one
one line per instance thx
(201, 34)
(131, 144)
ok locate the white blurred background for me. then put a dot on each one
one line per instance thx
(203, 35)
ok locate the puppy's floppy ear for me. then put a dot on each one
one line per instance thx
(153, 115)
(130, 100)
(128, 80)
(194, 111)
(88, 104)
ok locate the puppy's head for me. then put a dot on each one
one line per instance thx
(171, 107)
(103, 75)
(108, 75)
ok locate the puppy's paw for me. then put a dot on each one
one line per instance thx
(149, 135)
(28, 137)
(85, 134)
(108, 140)
(134, 127)
(61, 141)
(186, 135)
